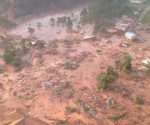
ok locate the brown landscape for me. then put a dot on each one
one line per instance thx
(57, 81)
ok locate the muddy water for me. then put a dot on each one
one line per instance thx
(46, 32)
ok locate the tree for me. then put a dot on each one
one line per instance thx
(31, 30)
(125, 65)
(69, 24)
(84, 16)
(9, 55)
(52, 22)
(99, 28)
(108, 9)
(106, 78)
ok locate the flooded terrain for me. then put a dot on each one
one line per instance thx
(46, 31)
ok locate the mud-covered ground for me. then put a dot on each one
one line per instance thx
(64, 74)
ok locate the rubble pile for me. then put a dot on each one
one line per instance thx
(74, 62)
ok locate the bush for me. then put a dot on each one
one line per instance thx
(138, 100)
(106, 78)
(31, 30)
(103, 81)
(10, 56)
(16, 62)
(70, 109)
(40, 44)
(125, 65)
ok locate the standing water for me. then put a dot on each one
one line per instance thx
(43, 28)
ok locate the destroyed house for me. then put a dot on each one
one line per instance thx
(123, 24)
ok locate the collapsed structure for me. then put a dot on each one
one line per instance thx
(124, 23)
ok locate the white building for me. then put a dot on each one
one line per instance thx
(130, 35)
(137, 1)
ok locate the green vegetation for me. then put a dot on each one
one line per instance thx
(100, 9)
(138, 100)
(84, 15)
(66, 85)
(80, 103)
(101, 16)
(125, 65)
(52, 22)
(62, 20)
(16, 62)
(146, 18)
(101, 26)
(70, 109)
(84, 106)
(69, 24)
(10, 56)
(31, 30)
(115, 117)
(106, 78)
(62, 122)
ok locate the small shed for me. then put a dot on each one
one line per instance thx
(130, 35)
